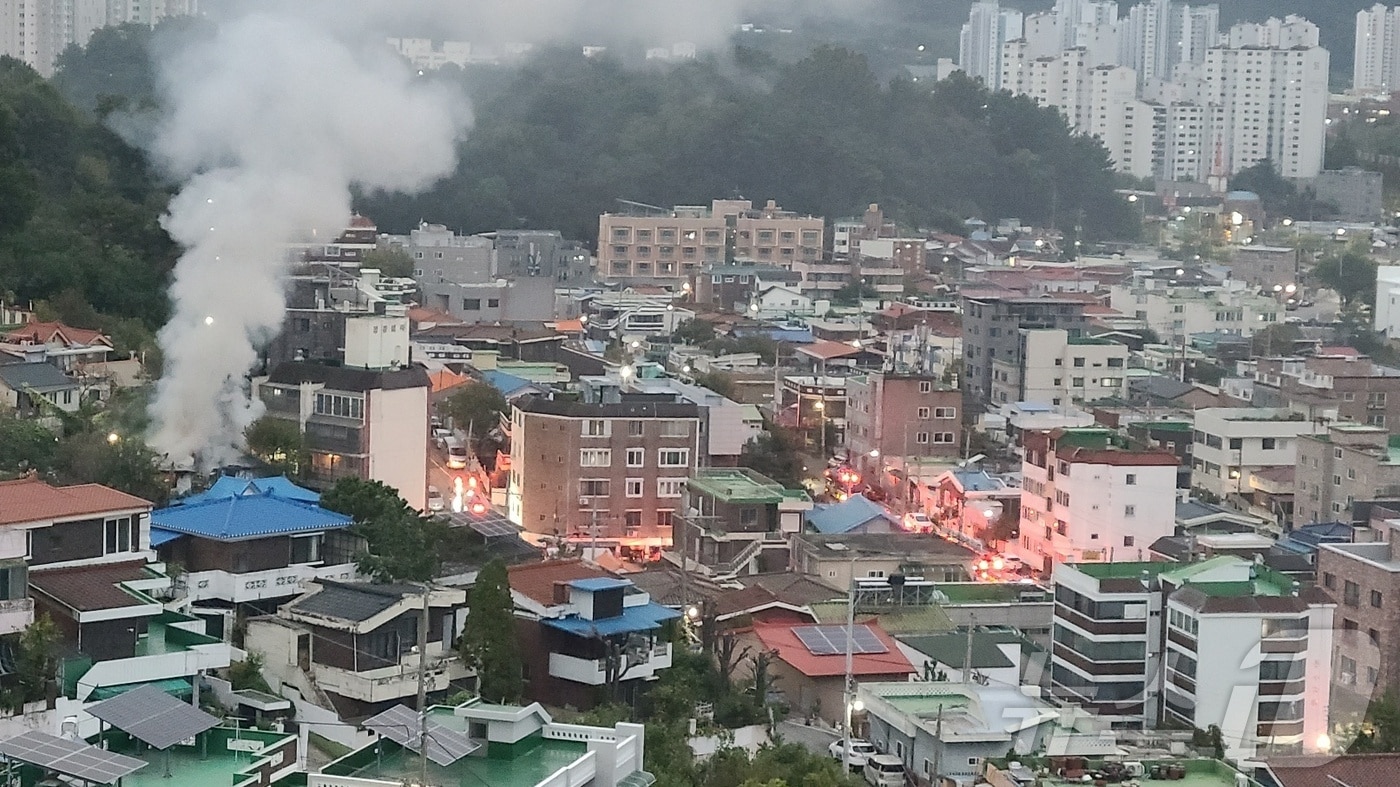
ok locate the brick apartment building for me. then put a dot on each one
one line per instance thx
(1350, 463)
(1337, 383)
(614, 471)
(669, 246)
(1364, 581)
(901, 415)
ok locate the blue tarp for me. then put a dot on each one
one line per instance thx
(632, 620)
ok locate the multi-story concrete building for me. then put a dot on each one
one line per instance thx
(1224, 642)
(1337, 383)
(1272, 106)
(323, 301)
(742, 522)
(616, 471)
(1290, 32)
(1388, 300)
(1175, 311)
(1086, 499)
(368, 422)
(901, 415)
(669, 246)
(1349, 463)
(539, 253)
(1363, 580)
(1376, 58)
(988, 27)
(440, 255)
(1055, 368)
(1232, 443)
(991, 331)
(726, 426)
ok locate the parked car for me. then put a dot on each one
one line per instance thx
(884, 770)
(918, 522)
(435, 501)
(860, 750)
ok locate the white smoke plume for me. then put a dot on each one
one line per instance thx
(268, 124)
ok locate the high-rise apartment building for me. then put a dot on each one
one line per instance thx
(1272, 107)
(37, 31)
(1376, 61)
(988, 27)
(1286, 33)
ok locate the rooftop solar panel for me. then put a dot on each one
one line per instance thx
(400, 724)
(153, 716)
(830, 640)
(70, 758)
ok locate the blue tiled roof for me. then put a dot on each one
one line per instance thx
(507, 384)
(632, 620)
(599, 583)
(159, 536)
(228, 486)
(846, 516)
(247, 516)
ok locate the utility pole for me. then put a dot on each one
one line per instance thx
(849, 692)
(938, 749)
(967, 654)
(423, 687)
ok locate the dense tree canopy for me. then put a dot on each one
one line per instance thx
(489, 644)
(400, 544)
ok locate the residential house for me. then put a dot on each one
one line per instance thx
(733, 287)
(1086, 498)
(251, 541)
(1052, 367)
(1231, 443)
(1328, 770)
(358, 642)
(1176, 308)
(614, 473)
(74, 350)
(809, 663)
(1349, 463)
(38, 389)
(838, 559)
(367, 423)
(901, 417)
(984, 656)
(1363, 580)
(726, 426)
(814, 406)
(632, 314)
(1336, 383)
(740, 522)
(86, 552)
(855, 514)
(324, 301)
(586, 637)
(974, 506)
(1182, 642)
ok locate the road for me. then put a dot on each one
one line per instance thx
(815, 739)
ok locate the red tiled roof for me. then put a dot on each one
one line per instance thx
(1353, 770)
(1093, 456)
(1094, 308)
(780, 638)
(536, 580)
(32, 500)
(358, 222)
(419, 314)
(1344, 352)
(826, 349)
(87, 588)
(44, 332)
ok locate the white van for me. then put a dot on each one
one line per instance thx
(884, 770)
(456, 453)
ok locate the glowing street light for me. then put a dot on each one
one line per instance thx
(1132, 198)
(209, 320)
(113, 438)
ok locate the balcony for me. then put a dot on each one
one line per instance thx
(16, 615)
(395, 681)
(170, 649)
(593, 672)
(258, 585)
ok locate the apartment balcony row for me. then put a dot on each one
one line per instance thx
(242, 587)
(395, 681)
(593, 672)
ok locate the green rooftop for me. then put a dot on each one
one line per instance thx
(1085, 438)
(1133, 570)
(217, 758)
(740, 485)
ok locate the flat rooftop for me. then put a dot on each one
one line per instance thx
(1133, 570)
(210, 761)
(741, 485)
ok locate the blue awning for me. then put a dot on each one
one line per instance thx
(632, 620)
(161, 536)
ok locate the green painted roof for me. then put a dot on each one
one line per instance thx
(951, 649)
(740, 485)
(1132, 570)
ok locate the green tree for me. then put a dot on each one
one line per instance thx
(1351, 273)
(477, 406)
(279, 443)
(25, 445)
(774, 453)
(695, 332)
(852, 292)
(390, 262)
(37, 660)
(719, 382)
(125, 463)
(401, 545)
(1381, 730)
(489, 643)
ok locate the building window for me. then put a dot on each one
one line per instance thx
(121, 535)
(593, 487)
(921, 438)
(1268, 443)
(493, 303)
(925, 386)
(636, 457)
(1376, 599)
(945, 438)
(673, 457)
(306, 549)
(1079, 363)
(471, 304)
(340, 406)
(1129, 510)
(636, 428)
(634, 487)
(1351, 594)
(748, 516)
(945, 412)
(595, 457)
(597, 427)
(1236, 443)
(675, 429)
(1329, 580)
(670, 487)
(1131, 479)
(665, 518)
(924, 413)
(1129, 540)
(1076, 382)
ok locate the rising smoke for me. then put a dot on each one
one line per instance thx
(269, 123)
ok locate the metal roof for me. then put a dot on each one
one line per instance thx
(847, 515)
(244, 517)
(352, 601)
(38, 376)
(230, 486)
(153, 716)
(632, 619)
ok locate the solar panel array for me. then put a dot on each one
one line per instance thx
(400, 724)
(153, 716)
(490, 524)
(70, 758)
(830, 640)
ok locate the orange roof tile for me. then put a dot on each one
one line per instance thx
(826, 350)
(32, 500)
(44, 332)
(568, 326)
(790, 649)
(419, 314)
(446, 378)
(536, 580)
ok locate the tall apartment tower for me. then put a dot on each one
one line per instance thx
(988, 27)
(37, 31)
(1376, 64)
(1271, 104)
